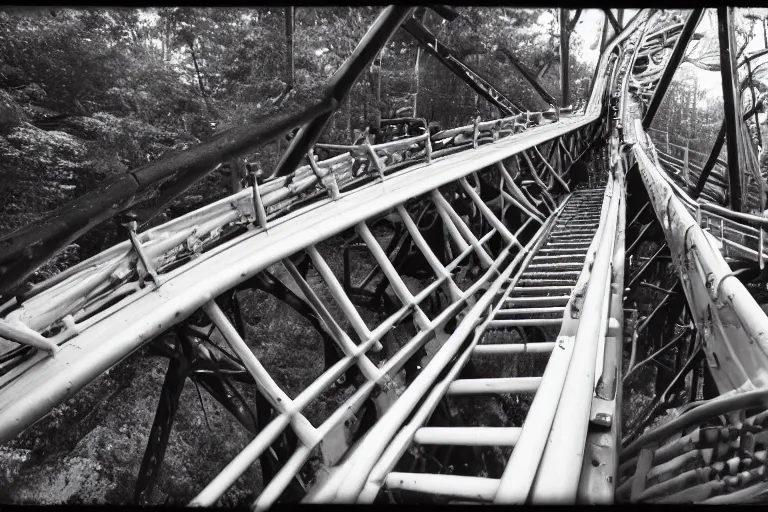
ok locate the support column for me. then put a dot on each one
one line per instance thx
(731, 102)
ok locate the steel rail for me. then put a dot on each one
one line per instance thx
(598, 483)
(563, 456)
(269, 194)
(706, 212)
(718, 406)
(710, 286)
(385, 463)
(380, 473)
(731, 324)
(222, 208)
(29, 391)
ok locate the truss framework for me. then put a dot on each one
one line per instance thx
(520, 238)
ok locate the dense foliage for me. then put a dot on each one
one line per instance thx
(91, 93)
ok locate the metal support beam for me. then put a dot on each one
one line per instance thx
(604, 34)
(530, 77)
(713, 158)
(731, 101)
(342, 81)
(445, 12)
(639, 273)
(610, 17)
(674, 61)
(447, 57)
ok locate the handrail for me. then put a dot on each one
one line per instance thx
(224, 266)
(732, 215)
(33, 387)
(23, 250)
(710, 281)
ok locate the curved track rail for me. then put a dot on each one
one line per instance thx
(516, 284)
(714, 452)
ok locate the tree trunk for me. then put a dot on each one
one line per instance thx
(290, 73)
(199, 77)
(477, 96)
(565, 92)
(376, 75)
(416, 67)
(765, 32)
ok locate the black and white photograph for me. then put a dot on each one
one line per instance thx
(270, 255)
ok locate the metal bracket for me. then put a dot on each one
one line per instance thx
(602, 412)
(577, 302)
(375, 160)
(131, 224)
(258, 204)
(327, 179)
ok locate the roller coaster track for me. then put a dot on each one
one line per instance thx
(521, 269)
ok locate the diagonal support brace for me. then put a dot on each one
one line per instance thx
(674, 62)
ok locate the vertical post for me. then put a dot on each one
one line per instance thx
(258, 204)
(342, 81)
(565, 93)
(731, 103)
(685, 163)
(620, 17)
(765, 32)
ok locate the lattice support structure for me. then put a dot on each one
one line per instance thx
(518, 262)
